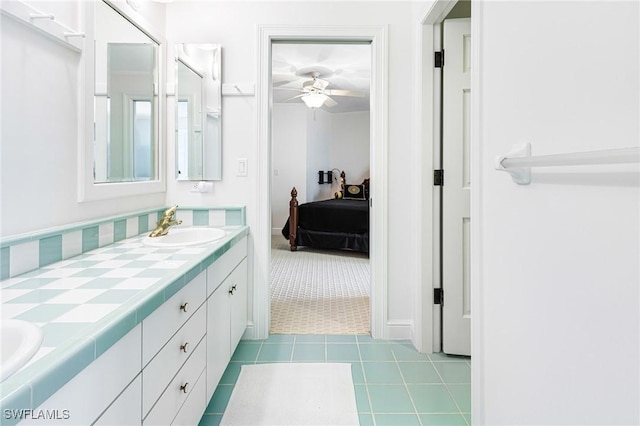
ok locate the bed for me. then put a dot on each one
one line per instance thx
(337, 224)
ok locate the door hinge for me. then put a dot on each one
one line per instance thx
(439, 59)
(438, 296)
(438, 177)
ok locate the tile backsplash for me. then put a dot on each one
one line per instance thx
(27, 252)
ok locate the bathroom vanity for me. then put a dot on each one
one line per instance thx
(156, 357)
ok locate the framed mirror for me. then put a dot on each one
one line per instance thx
(125, 105)
(198, 112)
(122, 148)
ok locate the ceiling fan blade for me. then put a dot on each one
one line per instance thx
(280, 79)
(292, 89)
(295, 97)
(330, 102)
(338, 92)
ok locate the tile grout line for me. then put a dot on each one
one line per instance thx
(366, 386)
(446, 385)
(406, 388)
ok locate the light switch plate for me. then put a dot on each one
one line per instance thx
(242, 167)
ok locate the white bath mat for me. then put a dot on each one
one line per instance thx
(293, 394)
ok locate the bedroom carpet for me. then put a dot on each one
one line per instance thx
(318, 292)
(293, 394)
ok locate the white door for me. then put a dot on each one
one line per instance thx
(456, 320)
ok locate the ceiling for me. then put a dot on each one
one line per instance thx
(346, 66)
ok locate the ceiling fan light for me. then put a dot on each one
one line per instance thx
(314, 100)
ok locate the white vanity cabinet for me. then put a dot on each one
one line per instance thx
(226, 310)
(166, 369)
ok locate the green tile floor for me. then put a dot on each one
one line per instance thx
(394, 384)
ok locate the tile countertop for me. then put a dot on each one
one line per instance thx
(87, 303)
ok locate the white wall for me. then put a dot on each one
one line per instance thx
(234, 26)
(350, 144)
(40, 113)
(288, 158)
(557, 332)
(319, 135)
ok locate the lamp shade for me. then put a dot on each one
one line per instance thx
(314, 100)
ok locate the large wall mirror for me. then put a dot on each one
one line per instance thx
(121, 149)
(198, 112)
(126, 98)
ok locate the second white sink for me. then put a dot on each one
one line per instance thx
(20, 340)
(179, 237)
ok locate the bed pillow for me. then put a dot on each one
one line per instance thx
(354, 192)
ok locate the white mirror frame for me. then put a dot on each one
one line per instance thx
(88, 190)
(178, 54)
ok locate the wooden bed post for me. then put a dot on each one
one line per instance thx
(293, 219)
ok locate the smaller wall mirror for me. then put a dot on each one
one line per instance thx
(198, 112)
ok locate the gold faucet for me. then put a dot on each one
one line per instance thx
(165, 222)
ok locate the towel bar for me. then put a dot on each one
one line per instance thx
(519, 161)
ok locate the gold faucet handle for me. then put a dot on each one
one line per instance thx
(170, 212)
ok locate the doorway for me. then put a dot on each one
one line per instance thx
(376, 36)
(323, 287)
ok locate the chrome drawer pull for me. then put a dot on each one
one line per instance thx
(183, 388)
(183, 347)
(183, 307)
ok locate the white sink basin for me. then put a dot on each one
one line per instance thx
(180, 237)
(20, 341)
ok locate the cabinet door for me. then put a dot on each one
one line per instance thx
(238, 281)
(220, 270)
(218, 337)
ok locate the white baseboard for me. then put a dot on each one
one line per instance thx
(400, 330)
(249, 332)
(276, 231)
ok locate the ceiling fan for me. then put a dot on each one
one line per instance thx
(315, 93)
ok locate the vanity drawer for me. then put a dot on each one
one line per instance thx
(158, 327)
(179, 389)
(222, 267)
(193, 409)
(171, 357)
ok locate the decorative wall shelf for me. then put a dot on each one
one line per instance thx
(44, 23)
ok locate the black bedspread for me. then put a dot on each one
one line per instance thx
(333, 224)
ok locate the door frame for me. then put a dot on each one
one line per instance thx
(377, 36)
(427, 130)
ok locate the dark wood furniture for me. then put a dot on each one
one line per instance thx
(329, 224)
